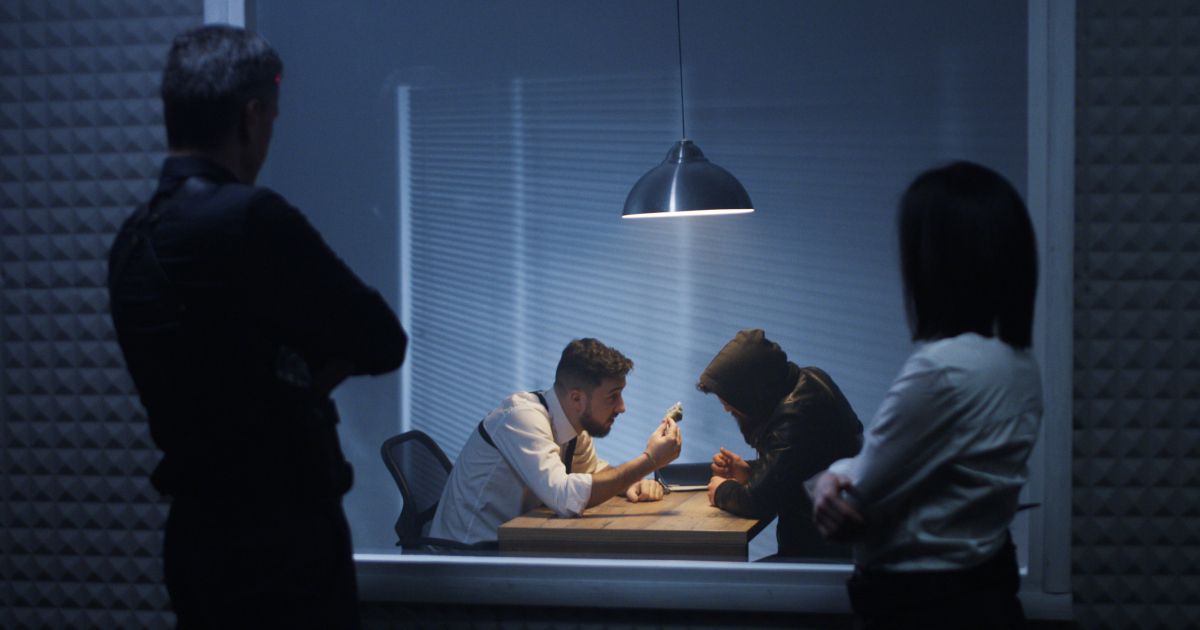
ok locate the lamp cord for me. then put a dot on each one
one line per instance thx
(679, 43)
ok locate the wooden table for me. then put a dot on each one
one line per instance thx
(681, 526)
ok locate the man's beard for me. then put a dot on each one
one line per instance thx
(594, 427)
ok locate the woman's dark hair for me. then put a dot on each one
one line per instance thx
(968, 256)
(211, 73)
(586, 362)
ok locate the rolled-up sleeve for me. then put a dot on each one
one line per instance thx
(524, 437)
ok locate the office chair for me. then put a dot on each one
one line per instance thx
(420, 469)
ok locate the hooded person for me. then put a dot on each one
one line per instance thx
(798, 422)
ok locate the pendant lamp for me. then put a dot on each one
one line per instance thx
(686, 183)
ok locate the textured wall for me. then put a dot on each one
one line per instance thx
(80, 142)
(1137, 315)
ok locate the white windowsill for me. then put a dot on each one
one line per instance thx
(658, 584)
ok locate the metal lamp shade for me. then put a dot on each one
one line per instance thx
(686, 184)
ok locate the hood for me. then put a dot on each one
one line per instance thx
(752, 374)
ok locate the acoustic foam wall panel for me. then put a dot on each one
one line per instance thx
(80, 143)
(1136, 520)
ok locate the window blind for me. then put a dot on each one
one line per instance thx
(518, 247)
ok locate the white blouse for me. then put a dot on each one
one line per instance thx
(945, 456)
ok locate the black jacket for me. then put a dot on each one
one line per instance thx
(798, 421)
(244, 304)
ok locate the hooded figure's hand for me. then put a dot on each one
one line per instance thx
(728, 465)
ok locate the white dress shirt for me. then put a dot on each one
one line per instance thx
(945, 456)
(490, 485)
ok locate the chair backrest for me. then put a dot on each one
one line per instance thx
(420, 469)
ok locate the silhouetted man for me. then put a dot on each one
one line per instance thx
(236, 321)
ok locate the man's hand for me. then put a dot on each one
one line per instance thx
(834, 517)
(644, 490)
(662, 449)
(728, 465)
(664, 443)
(712, 488)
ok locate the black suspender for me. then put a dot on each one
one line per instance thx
(483, 432)
(570, 454)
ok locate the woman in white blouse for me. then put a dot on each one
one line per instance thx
(929, 499)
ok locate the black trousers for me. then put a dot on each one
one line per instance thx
(260, 566)
(982, 597)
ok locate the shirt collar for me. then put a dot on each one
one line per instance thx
(178, 168)
(563, 431)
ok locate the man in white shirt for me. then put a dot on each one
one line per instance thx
(536, 449)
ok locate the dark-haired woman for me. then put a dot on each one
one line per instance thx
(929, 499)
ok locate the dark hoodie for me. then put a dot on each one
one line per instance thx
(797, 420)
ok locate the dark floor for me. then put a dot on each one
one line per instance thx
(386, 616)
(381, 616)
